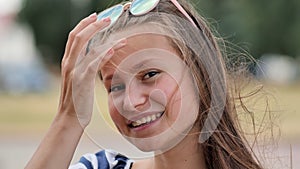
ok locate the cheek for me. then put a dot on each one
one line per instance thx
(174, 105)
(169, 87)
(181, 98)
(113, 111)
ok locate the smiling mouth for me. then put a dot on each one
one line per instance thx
(145, 120)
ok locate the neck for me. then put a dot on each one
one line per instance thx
(187, 154)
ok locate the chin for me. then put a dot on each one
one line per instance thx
(159, 143)
(146, 144)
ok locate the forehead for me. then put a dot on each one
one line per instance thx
(138, 43)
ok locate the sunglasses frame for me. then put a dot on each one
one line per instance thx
(128, 5)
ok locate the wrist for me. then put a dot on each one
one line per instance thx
(69, 115)
(68, 122)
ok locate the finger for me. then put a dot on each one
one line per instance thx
(82, 38)
(120, 44)
(95, 56)
(81, 25)
(87, 66)
(84, 77)
(101, 54)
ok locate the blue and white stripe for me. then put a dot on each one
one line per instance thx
(105, 159)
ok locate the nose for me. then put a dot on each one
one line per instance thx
(135, 97)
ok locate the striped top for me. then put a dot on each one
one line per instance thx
(105, 159)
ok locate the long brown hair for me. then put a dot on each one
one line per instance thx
(227, 147)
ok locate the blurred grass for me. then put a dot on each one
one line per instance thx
(274, 108)
(33, 113)
(288, 100)
(27, 113)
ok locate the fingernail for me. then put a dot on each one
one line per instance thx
(106, 19)
(93, 15)
(110, 52)
(123, 41)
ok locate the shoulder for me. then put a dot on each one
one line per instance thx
(105, 159)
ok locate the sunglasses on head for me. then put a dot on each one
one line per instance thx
(137, 8)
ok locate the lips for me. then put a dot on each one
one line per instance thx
(145, 120)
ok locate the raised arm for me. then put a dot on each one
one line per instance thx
(57, 148)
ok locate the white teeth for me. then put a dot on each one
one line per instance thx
(149, 119)
(153, 117)
(146, 119)
(138, 122)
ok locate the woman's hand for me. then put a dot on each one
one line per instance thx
(75, 107)
(75, 47)
(80, 69)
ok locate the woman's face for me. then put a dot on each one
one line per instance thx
(152, 97)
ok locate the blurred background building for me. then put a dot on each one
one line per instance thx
(21, 65)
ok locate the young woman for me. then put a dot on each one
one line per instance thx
(168, 91)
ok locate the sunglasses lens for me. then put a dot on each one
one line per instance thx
(113, 13)
(140, 7)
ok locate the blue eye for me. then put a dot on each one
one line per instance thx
(115, 88)
(149, 74)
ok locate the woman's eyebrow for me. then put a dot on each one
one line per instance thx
(136, 67)
(111, 76)
(141, 64)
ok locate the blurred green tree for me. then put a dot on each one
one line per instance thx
(260, 26)
(52, 20)
(263, 26)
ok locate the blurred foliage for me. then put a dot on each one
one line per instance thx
(263, 26)
(52, 20)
